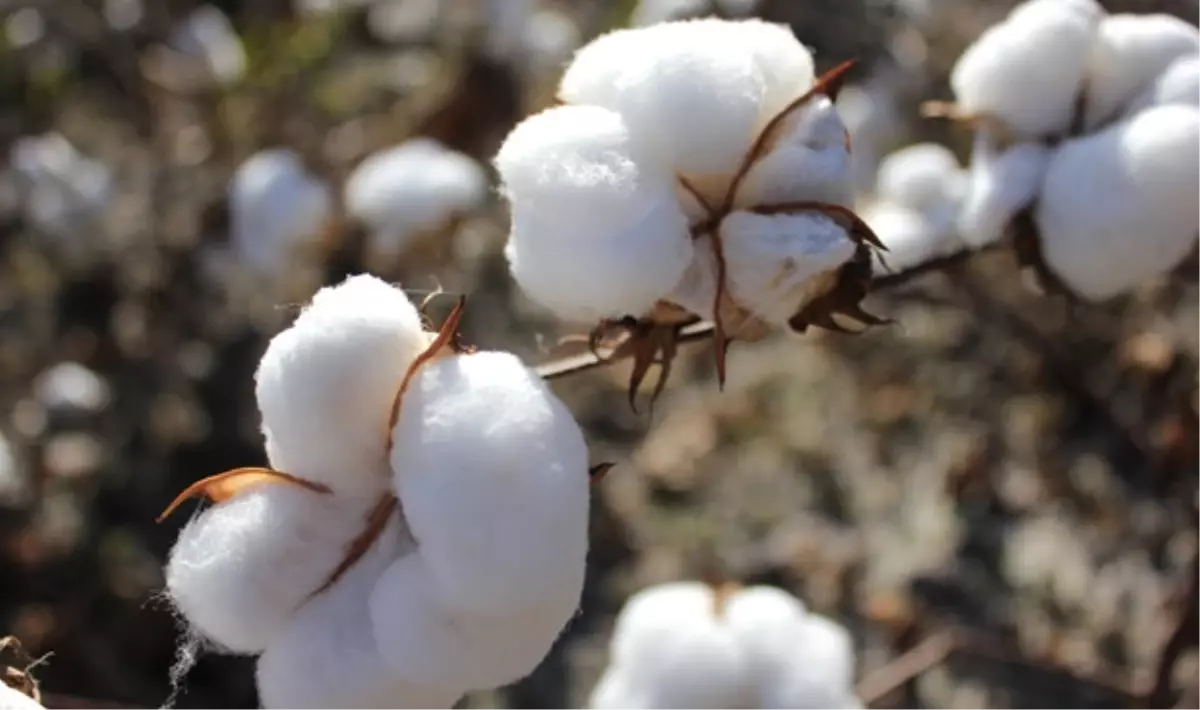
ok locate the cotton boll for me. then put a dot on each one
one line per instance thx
(1118, 207)
(425, 643)
(401, 192)
(240, 570)
(326, 655)
(1130, 52)
(595, 232)
(786, 64)
(62, 192)
(1028, 69)
(325, 385)
(773, 261)
(910, 240)
(920, 176)
(1001, 185)
(71, 388)
(686, 92)
(492, 470)
(1179, 84)
(810, 161)
(13, 699)
(208, 35)
(275, 203)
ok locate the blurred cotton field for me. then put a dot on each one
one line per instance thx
(990, 500)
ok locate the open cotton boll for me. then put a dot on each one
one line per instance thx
(909, 238)
(1119, 207)
(325, 384)
(1179, 84)
(923, 176)
(241, 569)
(208, 35)
(1028, 69)
(1001, 185)
(426, 643)
(773, 262)
(1130, 52)
(13, 699)
(403, 191)
(492, 469)
(810, 161)
(326, 655)
(595, 232)
(688, 96)
(62, 192)
(275, 203)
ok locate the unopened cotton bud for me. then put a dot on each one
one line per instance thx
(1002, 183)
(773, 262)
(596, 232)
(274, 204)
(1130, 52)
(1119, 207)
(325, 384)
(427, 643)
(241, 569)
(326, 656)
(1028, 70)
(492, 470)
(1179, 84)
(810, 161)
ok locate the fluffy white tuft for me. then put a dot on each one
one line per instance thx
(208, 36)
(13, 699)
(492, 470)
(1001, 185)
(326, 655)
(1119, 207)
(426, 643)
(1179, 84)
(1028, 69)
(404, 191)
(910, 238)
(325, 384)
(275, 203)
(923, 177)
(1130, 52)
(595, 233)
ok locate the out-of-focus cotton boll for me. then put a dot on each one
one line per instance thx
(1179, 84)
(63, 192)
(1002, 183)
(325, 384)
(549, 38)
(595, 232)
(70, 387)
(401, 193)
(326, 656)
(208, 35)
(1130, 52)
(1119, 207)
(689, 96)
(426, 643)
(809, 162)
(1028, 70)
(909, 238)
(922, 177)
(275, 204)
(492, 469)
(240, 570)
(772, 261)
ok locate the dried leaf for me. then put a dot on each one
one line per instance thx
(223, 486)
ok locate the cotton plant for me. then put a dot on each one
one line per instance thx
(421, 530)
(276, 208)
(690, 169)
(406, 197)
(695, 645)
(1088, 122)
(62, 192)
(915, 207)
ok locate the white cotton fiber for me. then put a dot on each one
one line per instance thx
(426, 643)
(1130, 52)
(909, 238)
(404, 191)
(274, 204)
(325, 384)
(1119, 207)
(492, 470)
(326, 655)
(810, 161)
(1029, 69)
(687, 92)
(242, 568)
(1179, 84)
(595, 232)
(13, 699)
(786, 64)
(773, 261)
(922, 176)
(1001, 185)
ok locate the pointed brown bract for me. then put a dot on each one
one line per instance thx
(851, 285)
(223, 486)
(376, 521)
(599, 471)
(445, 339)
